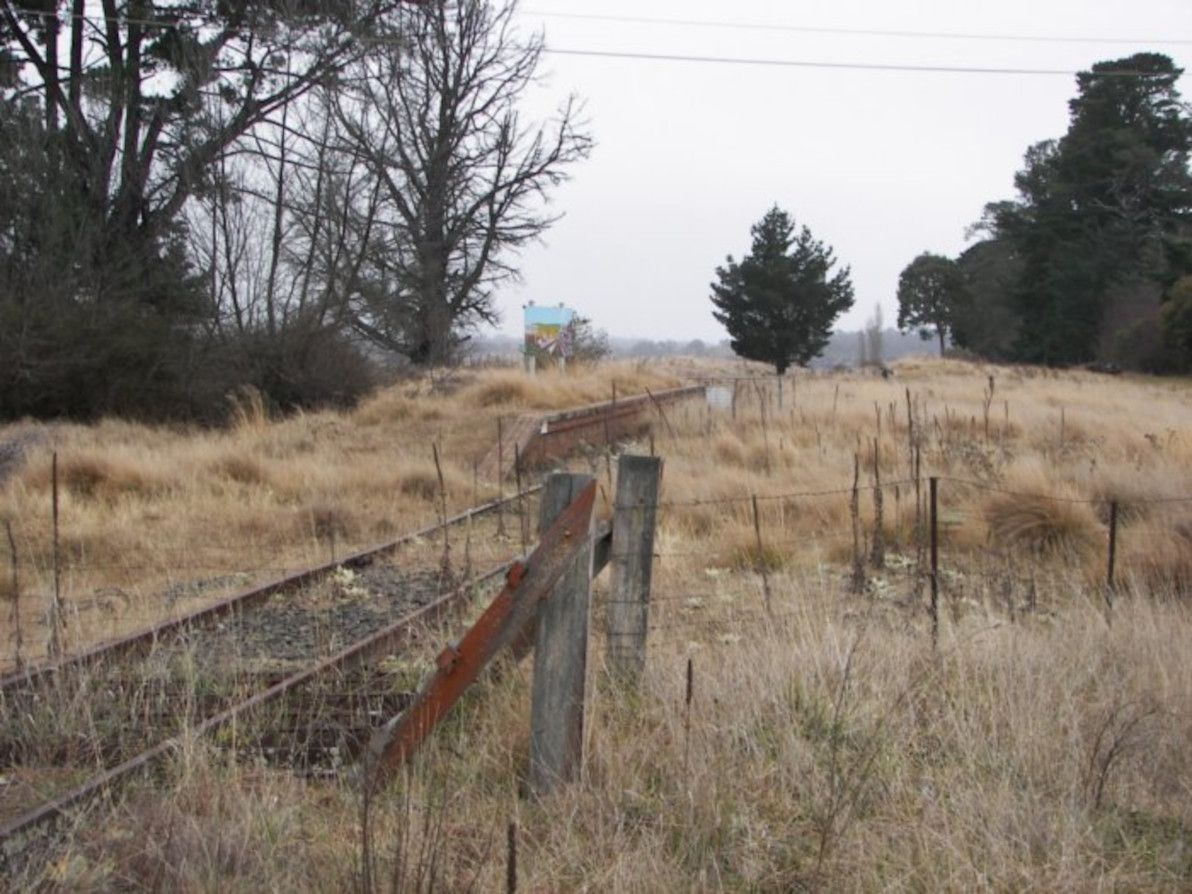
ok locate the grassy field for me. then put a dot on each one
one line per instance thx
(148, 513)
(1042, 745)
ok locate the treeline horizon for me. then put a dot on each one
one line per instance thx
(843, 349)
(1091, 262)
(290, 197)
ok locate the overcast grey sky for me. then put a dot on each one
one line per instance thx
(881, 165)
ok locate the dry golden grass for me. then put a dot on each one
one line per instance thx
(828, 750)
(1042, 747)
(145, 508)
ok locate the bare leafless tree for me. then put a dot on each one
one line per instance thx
(131, 108)
(463, 179)
(114, 118)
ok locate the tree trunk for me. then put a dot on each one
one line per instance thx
(939, 330)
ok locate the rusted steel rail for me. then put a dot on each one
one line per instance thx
(560, 432)
(537, 440)
(243, 599)
(379, 642)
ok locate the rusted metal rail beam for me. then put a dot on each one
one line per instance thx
(554, 435)
(614, 413)
(374, 644)
(595, 414)
(243, 599)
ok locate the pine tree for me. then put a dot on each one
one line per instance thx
(779, 303)
(1107, 207)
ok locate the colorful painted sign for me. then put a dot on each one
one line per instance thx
(549, 330)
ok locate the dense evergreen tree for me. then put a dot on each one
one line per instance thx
(1102, 212)
(1177, 326)
(987, 324)
(779, 303)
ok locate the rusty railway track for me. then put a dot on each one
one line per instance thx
(177, 716)
(16, 833)
(242, 600)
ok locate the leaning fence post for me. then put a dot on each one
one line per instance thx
(560, 655)
(632, 557)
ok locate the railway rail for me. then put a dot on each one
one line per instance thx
(245, 599)
(282, 669)
(227, 666)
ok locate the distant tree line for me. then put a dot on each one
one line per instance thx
(1091, 261)
(202, 195)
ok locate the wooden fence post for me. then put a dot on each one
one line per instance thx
(560, 655)
(857, 580)
(762, 558)
(511, 858)
(877, 557)
(500, 477)
(639, 479)
(55, 643)
(510, 619)
(933, 491)
(1112, 556)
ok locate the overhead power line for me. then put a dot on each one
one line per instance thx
(675, 57)
(856, 32)
(806, 63)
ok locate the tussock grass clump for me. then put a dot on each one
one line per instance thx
(501, 390)
(1041, 525)
(421, 483)
(748, 557)
(728, 449)
(247, 410)
(328, 521)
(94, 475)
(1158, 557)
(387, 406)
(241, 468)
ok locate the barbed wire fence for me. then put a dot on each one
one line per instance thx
(948, 545)
(777, 542)
(885, 531)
